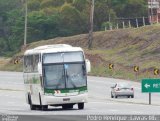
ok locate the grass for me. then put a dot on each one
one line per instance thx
(121, 73)
(12, 67)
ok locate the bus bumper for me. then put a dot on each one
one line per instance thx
(55, 100)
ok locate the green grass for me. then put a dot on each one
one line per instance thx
(12, 67)
(121, 73)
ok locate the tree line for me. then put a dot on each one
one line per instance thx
(58, 18)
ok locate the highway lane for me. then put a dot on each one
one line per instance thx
(11, 80)
(103, 86)
(12, 99)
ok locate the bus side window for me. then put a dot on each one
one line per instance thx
(25, 64)
(35, 63)
(30, 63)
(39, 57)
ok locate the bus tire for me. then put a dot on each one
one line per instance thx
(112, 95)
(80, 106)
(42, 107)
(32, 107)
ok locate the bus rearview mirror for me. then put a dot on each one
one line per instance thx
(40, 68)
(88, 65)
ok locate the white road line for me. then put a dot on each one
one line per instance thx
(15, 96)
(136, 112)
(139, 88)
(113, 110)
(11, 102)
(108, 103)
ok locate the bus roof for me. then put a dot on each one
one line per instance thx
(52, 49)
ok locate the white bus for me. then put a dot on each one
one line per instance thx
(55, 75)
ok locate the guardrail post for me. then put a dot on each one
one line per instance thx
(144, 23)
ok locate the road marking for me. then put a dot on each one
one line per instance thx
(17, 96)
(108, 103)
(2, 89)
(113, 110)
(11, 102)
(100, 102)
(138, 88)
(136, 112)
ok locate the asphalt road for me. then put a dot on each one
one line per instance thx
(12, 99)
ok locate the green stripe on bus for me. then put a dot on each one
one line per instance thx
(79, 89)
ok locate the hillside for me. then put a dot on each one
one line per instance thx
(124, 48)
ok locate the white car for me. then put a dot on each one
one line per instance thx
(122, 89)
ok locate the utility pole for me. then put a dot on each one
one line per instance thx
(151, 11)
(25, 28)
(91, 24)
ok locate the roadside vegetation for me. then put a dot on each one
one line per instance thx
(125, 48)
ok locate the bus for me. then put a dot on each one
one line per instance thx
(55, 75)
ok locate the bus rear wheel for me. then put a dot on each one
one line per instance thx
(80, 106)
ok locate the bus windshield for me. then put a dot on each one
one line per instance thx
(65, 74)
(63, 57)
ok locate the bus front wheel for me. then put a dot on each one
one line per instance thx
(80, 105)
(32, 107)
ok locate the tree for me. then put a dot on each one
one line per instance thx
(103, 13)
(52, 3)
(34, 5)
(81, 4)
(72, 20)
(42, 26)
(135, 8)
(129, 8)
(10, 12)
